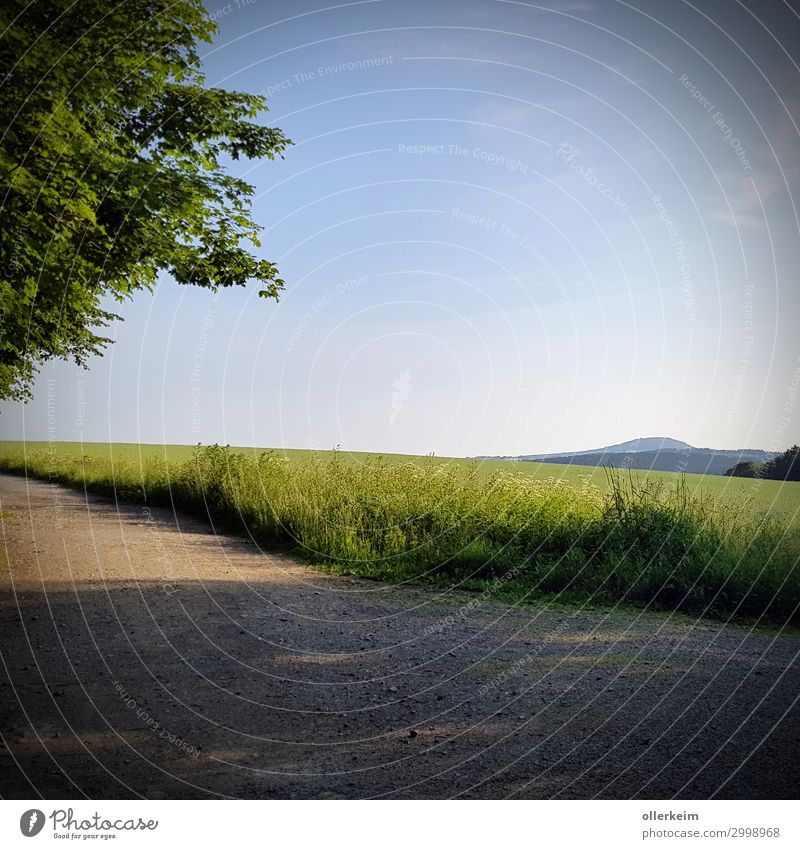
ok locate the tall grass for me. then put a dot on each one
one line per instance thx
(634, 542)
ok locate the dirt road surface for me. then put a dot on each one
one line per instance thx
(145, 656)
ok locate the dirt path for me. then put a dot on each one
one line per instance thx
(144, 656)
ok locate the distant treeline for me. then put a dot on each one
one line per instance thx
(784, 467)
(701, 461)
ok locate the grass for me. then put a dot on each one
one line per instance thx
(653, 540)
(758, 495)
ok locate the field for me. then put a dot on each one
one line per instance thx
(702, 545)
(760, 496)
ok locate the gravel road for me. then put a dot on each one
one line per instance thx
(145, 656)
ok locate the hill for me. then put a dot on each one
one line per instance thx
(660, 453)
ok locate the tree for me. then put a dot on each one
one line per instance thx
(746, 469)
(112, 169)
(784, 467)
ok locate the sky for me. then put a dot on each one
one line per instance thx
(505, 228)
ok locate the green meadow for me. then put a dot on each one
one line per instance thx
(705, 545)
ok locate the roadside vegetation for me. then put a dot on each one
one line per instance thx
(623, 539)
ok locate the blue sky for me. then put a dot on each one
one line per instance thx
(505, 228)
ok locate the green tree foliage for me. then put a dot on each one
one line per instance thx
(747, 469)
(784, 467)
(112, 169)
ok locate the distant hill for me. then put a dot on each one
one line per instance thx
(659, 453)
(632, 446)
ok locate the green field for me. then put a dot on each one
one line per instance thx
(700, 544)
(779, 498)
